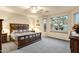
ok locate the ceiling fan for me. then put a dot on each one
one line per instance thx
(34, 9)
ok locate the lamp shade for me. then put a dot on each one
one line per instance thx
(5, 31)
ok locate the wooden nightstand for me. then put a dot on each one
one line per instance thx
(4, 37)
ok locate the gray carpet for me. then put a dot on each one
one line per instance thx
(46, 45)
(9, 46)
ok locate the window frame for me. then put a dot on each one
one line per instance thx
(57, 30)
(75, 17)
(44, 24)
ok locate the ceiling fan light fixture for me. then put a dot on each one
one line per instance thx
(34, 9)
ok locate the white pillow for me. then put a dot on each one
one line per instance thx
(24, 30)
(20, 30)
(15, 31)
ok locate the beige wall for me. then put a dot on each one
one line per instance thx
(14, 18)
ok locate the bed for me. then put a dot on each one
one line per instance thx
(22, 36)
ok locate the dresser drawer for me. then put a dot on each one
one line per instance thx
(4, 38)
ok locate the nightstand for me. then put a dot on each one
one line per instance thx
(4, 37)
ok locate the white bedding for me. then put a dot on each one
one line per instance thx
(16, 35)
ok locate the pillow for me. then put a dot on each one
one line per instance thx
(14, 31)
(20, 30)
(26, 30)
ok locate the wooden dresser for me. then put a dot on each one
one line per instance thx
(0, 35)
(4, 37)
(74, 44)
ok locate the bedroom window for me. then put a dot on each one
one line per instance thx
(45, 24)
(59, 24)
(77, 18)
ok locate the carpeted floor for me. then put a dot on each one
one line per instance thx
(8, 47)
(46, 45)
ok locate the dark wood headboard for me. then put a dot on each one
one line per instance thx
(14, 26)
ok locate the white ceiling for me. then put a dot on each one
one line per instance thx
(44, 11)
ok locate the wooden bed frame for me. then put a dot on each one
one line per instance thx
(14, 26)
(25, 39)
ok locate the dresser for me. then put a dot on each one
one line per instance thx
(0, 35)
(4, 37)
(74, 44)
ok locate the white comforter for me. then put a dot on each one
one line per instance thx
(16, 35)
